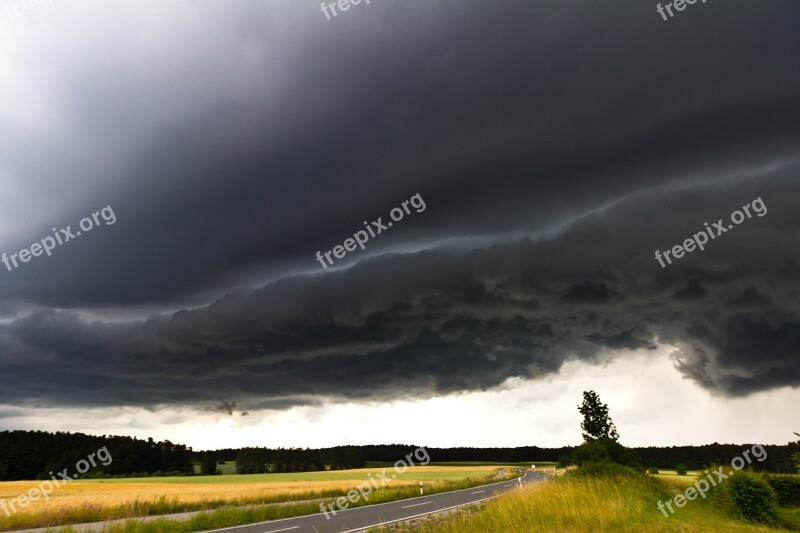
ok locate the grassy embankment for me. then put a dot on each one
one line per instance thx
(621, 502)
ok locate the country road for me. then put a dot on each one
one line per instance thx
(360, 518)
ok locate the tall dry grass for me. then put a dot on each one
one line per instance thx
(619, 501)
(80, 502)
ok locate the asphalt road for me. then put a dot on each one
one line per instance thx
(360, 518)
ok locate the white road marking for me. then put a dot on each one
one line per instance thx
(416, 505)
(417, 516)
(382, 523)
(478, 491)
(284, 529)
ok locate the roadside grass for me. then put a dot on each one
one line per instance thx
(791, 518)
(98, 500)
(229, 517)
(620, 501)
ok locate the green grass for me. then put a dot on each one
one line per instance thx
(209, 520)
(791, 518)
(478, 463)
(615, 501)
(549, 464)
(337, 475)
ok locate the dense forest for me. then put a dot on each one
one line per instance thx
(693, 457)
(260, 460)
(779, 458)
(32, 454)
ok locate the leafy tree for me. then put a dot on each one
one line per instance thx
(251, 461)
(596, 423)
(603, 451)
(796, 456)
(600, 436)
(681, 470)
(208, 467)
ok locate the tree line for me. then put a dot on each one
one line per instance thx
(32, 454)
(262, 460)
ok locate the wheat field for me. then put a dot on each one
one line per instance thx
(95, 500)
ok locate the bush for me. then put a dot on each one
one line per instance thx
(787, 488)
(681, 470)
(564, 461)
(653, 471)
(605, 451)
(748, 497)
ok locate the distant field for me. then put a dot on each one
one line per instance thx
(228, 468)
(102, 499)
(378, 464)
(441, 471)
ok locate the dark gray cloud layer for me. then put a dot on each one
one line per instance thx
(437, 322)
(260, 134)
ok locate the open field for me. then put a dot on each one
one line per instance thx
(524, 464)
(576, 504)
(414, 473)
(105, 499)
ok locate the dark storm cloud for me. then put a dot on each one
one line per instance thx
(436, 322)
(248, 149)
(235, 143)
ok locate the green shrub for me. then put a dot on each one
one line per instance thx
(564, 461)
(787, 487)
(749, 497)
(653, 471)
(605, 451)
(681, 470)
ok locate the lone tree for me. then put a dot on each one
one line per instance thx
(600, 436)
(596, 422)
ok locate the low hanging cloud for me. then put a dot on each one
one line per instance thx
(443, 321)
(237, 139)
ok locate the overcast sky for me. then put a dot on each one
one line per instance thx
(557, 144)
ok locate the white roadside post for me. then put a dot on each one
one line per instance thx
(420, 488)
